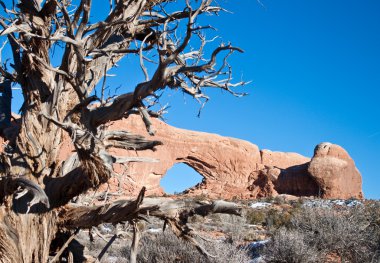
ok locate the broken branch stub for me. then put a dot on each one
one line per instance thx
(24, 187)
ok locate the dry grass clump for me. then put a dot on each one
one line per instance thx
(353, 234)
(278, 218)
(291, 233)
(290, 246)
(272, 218)
(255, 217)
(166, 247)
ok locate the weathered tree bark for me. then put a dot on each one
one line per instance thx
(35, 186)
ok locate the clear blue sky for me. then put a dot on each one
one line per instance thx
(315, 67)
(315, 72)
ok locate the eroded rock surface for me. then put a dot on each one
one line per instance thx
(335, 172)
(232, 167)
(218, 159)
(236, 168)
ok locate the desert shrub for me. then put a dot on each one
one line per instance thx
(234, 233)
(297, 204)
(200, 198)
(353, 234)
(372, 213)
(225, 252)
(255, 217)
(168, 248)
(197, 219)
(278, 218)
(290, 247)
(272, 218)
(278, 200)
(268, 199)
(348, 232)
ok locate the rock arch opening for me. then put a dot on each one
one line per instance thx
(180, 178)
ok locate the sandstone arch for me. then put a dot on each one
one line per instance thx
(231, 167)
(179, 178)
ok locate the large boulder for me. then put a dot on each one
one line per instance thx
(335, 172)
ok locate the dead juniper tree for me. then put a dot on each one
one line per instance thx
(36, 187)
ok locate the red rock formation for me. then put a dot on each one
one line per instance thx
(335, 172)
(232, 167)
(281, 159)
(296, 180)
(225, 163)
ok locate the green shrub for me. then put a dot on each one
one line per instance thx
(255, 217)
(277, 218)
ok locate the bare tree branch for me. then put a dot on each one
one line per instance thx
(59, 98)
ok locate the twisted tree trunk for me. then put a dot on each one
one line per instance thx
(35, 186)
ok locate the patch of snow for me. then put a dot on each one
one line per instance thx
(105, 228)
(254, 250)
(154, 230)
(253, 225)
(257, 260)
(112, 259)
(257, 244)
(331, 203)
(260, 205)
(354, 203)
(338, 202)
(318, 203)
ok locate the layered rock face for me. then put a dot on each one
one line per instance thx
(233, 168)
